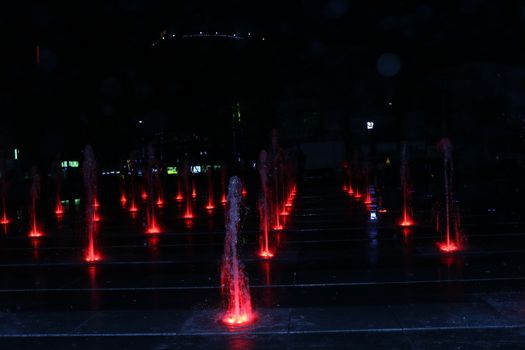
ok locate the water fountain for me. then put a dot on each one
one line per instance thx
(158, 184)
(188, 211)
(133, 208)
(275, 162)
(224, 172)
(263, 204)
(193, 189)
(57, 174)
(234, 283)
(89, 173)
(35, 192)
(3, 193)
(151, 174)
(179, 197)
(406, 219)
(453, 242)
(210, 205)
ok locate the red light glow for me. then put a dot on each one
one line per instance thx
(237, 320)
(266, 254)
(35, 233)
(92, 256)
(448, 247)
(153, 229)
(5, 220)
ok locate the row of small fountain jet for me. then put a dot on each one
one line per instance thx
(277, 174)
(446, 217)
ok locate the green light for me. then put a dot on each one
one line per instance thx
(73, 163)
(172, 170)
(77, 201)
(64, 164)
(16, 153)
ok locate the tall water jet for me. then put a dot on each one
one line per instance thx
(234, 283)
(159, 195)
(347, 178)
(406, 219)
(264, 212)
(211, 204)
(123, 190)
(188, 211)
(58, 177)
(275, 161)
(367, 177)
(89, 173)
(133, 208)
(35, 192)
(454, 243)
(179, 197)
(151, 174)
(224, 172)
(356, 176)
(193, 189)
(3, 193)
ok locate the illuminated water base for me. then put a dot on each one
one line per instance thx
(5, 220)
(133, 208)
(234, 283)
(406, 221)
(368, 198)
(179, 197)
(91, 254)
(188, 214)
(59, 209)
(153, 228)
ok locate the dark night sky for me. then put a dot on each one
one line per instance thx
(93, 54)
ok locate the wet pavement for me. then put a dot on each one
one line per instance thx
(336, 281)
